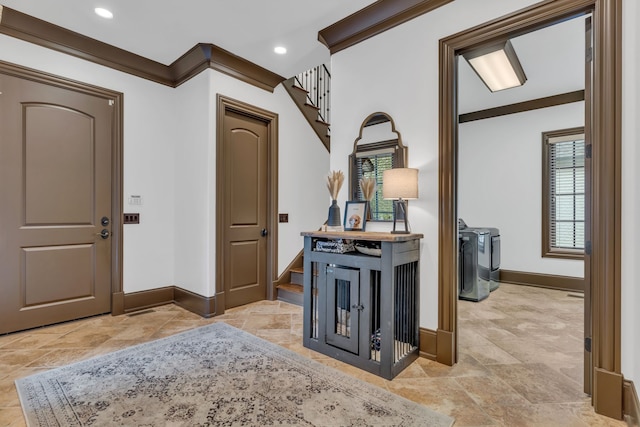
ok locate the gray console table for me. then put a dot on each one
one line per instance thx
(363, 308)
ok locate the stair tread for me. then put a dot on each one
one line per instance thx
(299, 88)
(300, 270)
(291, 287)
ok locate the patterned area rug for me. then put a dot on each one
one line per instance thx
(215, 375)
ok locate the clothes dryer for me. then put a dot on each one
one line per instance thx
(495, 252)
(474, 263)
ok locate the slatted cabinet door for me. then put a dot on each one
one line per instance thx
(343, 308)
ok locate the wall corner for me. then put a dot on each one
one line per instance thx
(631, 404)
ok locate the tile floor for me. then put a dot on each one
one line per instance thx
(520, 356)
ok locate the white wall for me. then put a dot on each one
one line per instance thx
(193, 184)
(169, 160)
(405, 85)
(500, 183)
(148, 169)
(553, 60)
(303, 163)
(303, 166)
(630, 192)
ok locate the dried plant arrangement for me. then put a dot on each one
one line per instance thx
(368, 187)
(334, 183)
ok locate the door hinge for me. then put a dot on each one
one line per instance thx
(587, 247)
(587, 344)
(111, 102)
(587, 151)
(589, 54)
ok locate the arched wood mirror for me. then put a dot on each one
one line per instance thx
(377, 148)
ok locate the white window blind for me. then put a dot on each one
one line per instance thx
(566, 157)
(370, 160)
(372, 165)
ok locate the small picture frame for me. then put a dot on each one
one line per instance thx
(355, 215)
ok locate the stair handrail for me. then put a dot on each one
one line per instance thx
(317, 83)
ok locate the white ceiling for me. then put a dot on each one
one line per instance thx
(159, 30)
(162, 30)
(552, 58)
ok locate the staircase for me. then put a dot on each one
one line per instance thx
(292, 292)
(311, 93)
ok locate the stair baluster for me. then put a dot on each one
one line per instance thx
(311, 93)
(317, 83)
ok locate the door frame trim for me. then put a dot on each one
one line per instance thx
(225, 104)
(606, 190)
(117, 295)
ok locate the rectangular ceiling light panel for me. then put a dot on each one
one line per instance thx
(498, 66)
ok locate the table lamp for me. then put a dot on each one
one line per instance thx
(400, 184)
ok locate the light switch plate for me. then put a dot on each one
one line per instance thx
(131, 218)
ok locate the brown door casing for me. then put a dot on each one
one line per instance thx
(606, 144)
(57, 162)
(588, 188)
(245, 200)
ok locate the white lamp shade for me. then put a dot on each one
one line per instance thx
(400, 183)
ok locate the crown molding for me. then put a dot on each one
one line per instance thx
(372, 20)
(206, 55)
(199, 58)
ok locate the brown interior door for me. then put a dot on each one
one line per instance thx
(55, 189)
(245, 149)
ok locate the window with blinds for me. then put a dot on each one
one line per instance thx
(370, 161)
(564, 193)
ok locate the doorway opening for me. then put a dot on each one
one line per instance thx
(604, 231)
(502, 175)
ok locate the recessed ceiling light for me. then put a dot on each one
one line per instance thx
(280, 50)
(100, 11)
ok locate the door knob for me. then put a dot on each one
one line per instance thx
(264, 232)
(104, 221)
(104, 233)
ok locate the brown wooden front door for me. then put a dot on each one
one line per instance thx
(245, 206)
(55, 189)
